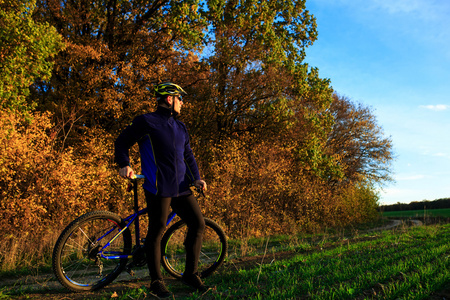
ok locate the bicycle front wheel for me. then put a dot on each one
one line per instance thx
(81, 262)
(212, 255)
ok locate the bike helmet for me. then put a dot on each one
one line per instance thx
(168, 88)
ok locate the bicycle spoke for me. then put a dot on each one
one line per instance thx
(77, 262)
(86, 235)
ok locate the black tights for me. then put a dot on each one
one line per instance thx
(158, 210)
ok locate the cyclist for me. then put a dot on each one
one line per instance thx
(170, 168)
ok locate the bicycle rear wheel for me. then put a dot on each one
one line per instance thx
(213, 253)
(77, 261)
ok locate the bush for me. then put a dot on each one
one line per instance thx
(43, 187)
(258, 191)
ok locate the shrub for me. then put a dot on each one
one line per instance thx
(43, 187)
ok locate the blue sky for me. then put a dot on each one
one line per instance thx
(394, 57)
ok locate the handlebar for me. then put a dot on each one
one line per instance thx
(139, 176)
(200, 191)
(133, 182)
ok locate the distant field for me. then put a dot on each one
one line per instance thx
(445, 212)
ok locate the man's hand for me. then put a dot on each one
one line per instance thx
(126, 172)
(201, 185)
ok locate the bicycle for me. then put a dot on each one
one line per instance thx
(97, 246)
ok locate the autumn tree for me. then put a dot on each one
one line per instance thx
(256, 103)
(254, 46)
(254, 80)
(36, 191)
(116, 51)
(25, 49)
(358, 141)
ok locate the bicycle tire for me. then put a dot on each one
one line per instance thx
(76, 261)
(213, 253)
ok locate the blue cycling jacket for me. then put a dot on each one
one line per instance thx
(167, 160)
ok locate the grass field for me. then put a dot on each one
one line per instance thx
(418, 213)
(403, 263)
(408, 263)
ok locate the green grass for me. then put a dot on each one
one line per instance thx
(400, 265)
(410, 263)
(405, 263)
(445, 212)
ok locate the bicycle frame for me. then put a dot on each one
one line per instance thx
(129, 221)
(95, 248)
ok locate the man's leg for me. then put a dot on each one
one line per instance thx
(158, 210)
(188, 209)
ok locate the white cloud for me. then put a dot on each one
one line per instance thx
(438, 107)
(442, 155)
(422, 9)
(410, 177)
(399, 6)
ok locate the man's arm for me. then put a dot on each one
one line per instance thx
(192, 165)
(127, 138)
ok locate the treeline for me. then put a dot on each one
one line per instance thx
(280, 150)
(418, 205)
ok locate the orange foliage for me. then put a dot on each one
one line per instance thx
(259, 190)
(43, 187)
